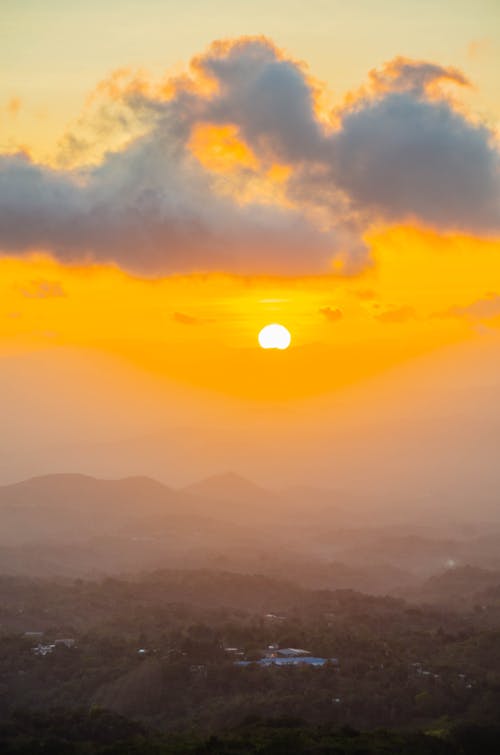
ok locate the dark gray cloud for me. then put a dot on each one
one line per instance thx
(403, 157)
(268, 97)
(151, 212)
(399, 152)
(403, 152)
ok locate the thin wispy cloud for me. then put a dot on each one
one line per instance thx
(184, 319)
(332, 314)
(42, 289)
(396, 315)
(485, 308)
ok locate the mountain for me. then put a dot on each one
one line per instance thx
(71, 508)
(76, 525)
(234, 496)
(460, 585)
(229, 487)
(73, 524)
(74, 507)
(70, 489)
(230, 496)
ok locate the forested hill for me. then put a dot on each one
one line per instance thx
(160, 648)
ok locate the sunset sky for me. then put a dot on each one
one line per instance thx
(174, 176)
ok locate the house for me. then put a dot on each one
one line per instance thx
(43, 649)
(276, 656)
(274, 651)
(68, 642)
(298, 660)
(293, 660)
(234, 652)
(292, 653)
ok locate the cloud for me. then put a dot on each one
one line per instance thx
(14, 106)
(479, 48)
(397, 315)
(414, 76)
(151, 209)
(268, 96)
(184, 319)
(402, 157)
(42, 289)
(398, 151)
(481, 309)
(330, 314)
(365, 294)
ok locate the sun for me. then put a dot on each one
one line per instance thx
(275, 336)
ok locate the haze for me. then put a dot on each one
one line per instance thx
(205, 545)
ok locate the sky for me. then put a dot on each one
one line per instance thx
(175, 176)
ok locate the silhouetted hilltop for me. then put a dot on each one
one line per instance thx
(460, 584)
(229, 486)
(76, 525)
(76, 506)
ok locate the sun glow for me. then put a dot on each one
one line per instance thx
(275, 336)
(201, 330)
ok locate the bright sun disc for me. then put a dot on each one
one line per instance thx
(274, 337)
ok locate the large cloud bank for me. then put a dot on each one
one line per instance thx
(398, 151)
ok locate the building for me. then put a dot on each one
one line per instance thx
(294, 660)
(276, 656)
(290, 653)
(67, 642)
(43, 649)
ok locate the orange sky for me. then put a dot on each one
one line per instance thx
(201, 330)
(365, 281)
